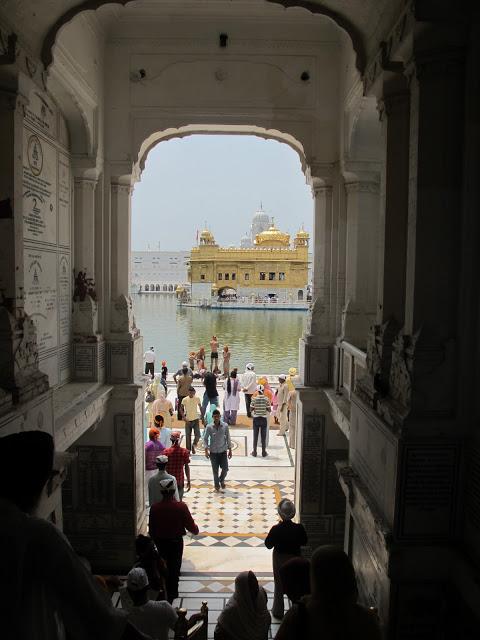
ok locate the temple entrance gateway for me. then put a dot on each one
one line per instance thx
(380, 102)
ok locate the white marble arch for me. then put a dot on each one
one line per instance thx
(145, 146)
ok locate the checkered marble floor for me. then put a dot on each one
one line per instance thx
(240, 516)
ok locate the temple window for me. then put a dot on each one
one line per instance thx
(202, 277)
(227, 276)
(271, 275)
(220, 276)
(247, 276)
(281, 275)
(234, 276)
(262, 275)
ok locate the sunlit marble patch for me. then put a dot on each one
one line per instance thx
(241, 515)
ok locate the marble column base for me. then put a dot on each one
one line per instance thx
(320, 444)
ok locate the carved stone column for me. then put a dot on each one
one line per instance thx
(361, 259)
(317, 344)
(124, 349)
(88, 344)
(394, 111)
(320, 444)
(423, 378)
(404, 482)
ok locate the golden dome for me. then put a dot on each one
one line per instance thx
(206, 237)
(272, 236)
(301, 233)
(179, 289)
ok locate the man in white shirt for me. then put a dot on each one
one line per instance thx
(249, 385)
(154, 487)
(151, 617)
(149, 357)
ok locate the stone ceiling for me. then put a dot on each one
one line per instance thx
(366, 21)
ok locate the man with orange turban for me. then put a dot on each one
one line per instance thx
(153, 448)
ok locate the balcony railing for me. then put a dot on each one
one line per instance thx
(352, 366)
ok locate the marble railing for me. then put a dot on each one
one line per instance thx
(352, 367)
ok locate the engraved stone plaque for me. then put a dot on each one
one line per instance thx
(39, 189)
(64, 201)
(84, 361)
(312, 467)
(64, 299)
(41, 295)
(119, 364)
(41, 112)
(94, 477)
(428, 490)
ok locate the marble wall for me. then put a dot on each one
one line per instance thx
(46, 184)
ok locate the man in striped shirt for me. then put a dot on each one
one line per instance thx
(260, 407)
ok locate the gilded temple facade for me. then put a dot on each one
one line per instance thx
(272, 268)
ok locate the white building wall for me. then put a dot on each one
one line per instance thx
(201, 290)
(163, 268)
(287, 294)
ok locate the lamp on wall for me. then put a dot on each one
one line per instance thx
(137, 76)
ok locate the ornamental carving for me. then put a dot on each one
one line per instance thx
(122, 319)
(84, 286)
(379, 353)
(401, 373)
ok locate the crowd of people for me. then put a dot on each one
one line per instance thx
(52, 593)
(261, 400)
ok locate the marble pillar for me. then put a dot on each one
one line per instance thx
(125, 346)
(316, 356)
(394, 111)
(403, 480)
(362, 226)
(88, 343)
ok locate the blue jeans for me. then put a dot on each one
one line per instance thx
(219, 460)
(206, 400)
(259, 425)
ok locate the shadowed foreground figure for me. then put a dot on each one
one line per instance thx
(331, 611)
(245, 616)
(48, 594)
(295, 578)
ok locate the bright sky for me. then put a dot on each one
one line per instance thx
(220, 180)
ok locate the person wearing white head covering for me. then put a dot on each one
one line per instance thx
(162, 406)
(282, 399)
(154, 489)
(249, 385)
(286, 539)
(154, 618)
(245, 616)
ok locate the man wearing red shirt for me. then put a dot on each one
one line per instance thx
(168, 522)
(178, 460)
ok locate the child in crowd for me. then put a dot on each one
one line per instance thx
(164, 371)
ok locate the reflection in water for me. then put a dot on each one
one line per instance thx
(269, 339)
